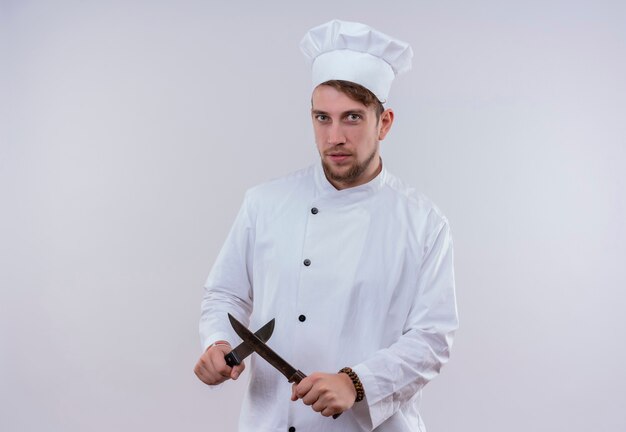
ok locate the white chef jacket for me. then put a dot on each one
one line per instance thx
(360, 277)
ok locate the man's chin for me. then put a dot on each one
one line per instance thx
(338, 173)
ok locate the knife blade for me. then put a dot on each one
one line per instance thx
(292, 374)
(244, 349)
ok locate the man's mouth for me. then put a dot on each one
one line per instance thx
(338, 157)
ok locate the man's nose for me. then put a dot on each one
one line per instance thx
(336, 135)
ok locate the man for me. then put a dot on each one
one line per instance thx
(355, 266)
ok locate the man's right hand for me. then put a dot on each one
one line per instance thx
(212, 369)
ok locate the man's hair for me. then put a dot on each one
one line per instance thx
(357, 93)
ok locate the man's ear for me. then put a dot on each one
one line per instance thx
(386, 120)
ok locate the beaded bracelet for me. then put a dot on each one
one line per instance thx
(360, 392)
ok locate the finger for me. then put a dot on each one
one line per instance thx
(237, 370)
(318, 406)
(206, 376)
(207, 371)
(318, 389)
(201, 372)
(304, 387)
(311, 397)
(294, 396)
(214, 379)
(329, 411)
(218, 364)
(198, 372)
(327, 405)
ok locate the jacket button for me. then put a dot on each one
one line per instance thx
(307, 262)
(292, 429)
(302, 318)
(314, 210)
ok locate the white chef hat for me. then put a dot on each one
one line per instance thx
(350, 51)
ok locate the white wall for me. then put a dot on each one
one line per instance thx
(130, 131)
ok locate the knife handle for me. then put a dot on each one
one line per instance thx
(297, 377)
(232, 359)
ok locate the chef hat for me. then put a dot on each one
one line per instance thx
(349, 51)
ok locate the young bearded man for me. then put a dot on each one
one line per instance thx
(355, 266)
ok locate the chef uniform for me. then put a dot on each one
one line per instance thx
(359, 277)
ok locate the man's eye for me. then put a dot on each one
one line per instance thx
(321, 117)
(354, 117)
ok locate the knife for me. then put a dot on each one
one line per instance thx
(244, 349)
(292, 374)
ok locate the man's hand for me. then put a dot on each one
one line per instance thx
(212, 368)
(328, 394)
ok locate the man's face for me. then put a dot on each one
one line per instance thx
(347, 135)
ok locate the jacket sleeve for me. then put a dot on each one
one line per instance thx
(228, 288)
(394, 375)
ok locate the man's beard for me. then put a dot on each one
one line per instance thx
(356, 170)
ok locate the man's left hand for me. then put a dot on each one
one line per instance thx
(328, 394)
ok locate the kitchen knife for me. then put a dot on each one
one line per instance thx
(244, 349)
(292, 374)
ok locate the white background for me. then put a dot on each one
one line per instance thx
(130, 131)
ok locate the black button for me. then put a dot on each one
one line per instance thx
(307, 262)
(292, 429)
(314, 210)
(302, 318)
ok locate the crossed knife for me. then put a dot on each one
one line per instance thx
(255, 342)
